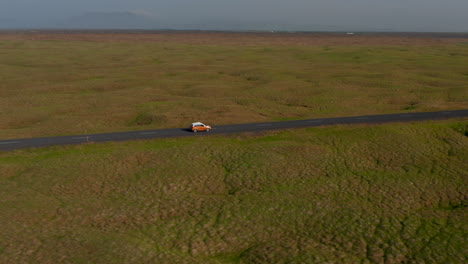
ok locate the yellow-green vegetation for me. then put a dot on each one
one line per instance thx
(347, 194)
(62, 87)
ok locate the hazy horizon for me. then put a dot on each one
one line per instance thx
(358, 15)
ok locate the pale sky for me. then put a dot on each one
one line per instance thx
(438, 15)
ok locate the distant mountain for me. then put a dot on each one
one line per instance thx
(139, 20)
(109, 20)
(135, 20)
(14, 24)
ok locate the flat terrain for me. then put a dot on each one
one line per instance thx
(66, 83)
(394, 193)
(21, 143)
(241, 38)
(347, 194)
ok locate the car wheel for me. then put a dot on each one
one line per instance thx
(195, 131)
(207, 130)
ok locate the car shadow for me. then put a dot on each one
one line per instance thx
(186, 130)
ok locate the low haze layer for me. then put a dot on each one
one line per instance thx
(296, 15)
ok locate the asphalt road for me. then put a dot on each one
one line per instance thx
(13, 144)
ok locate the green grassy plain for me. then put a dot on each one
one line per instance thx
(58, 85)
(391, 193)
(394, 193)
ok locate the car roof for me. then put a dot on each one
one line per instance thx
(197, 123)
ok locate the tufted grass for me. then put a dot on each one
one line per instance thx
(63, 86)
(349, 194)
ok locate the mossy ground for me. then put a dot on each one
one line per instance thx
(349, 194)
(62, 85)
(391, 193)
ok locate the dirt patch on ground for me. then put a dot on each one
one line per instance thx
(242, 38)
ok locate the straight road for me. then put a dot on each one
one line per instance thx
(13, 144)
